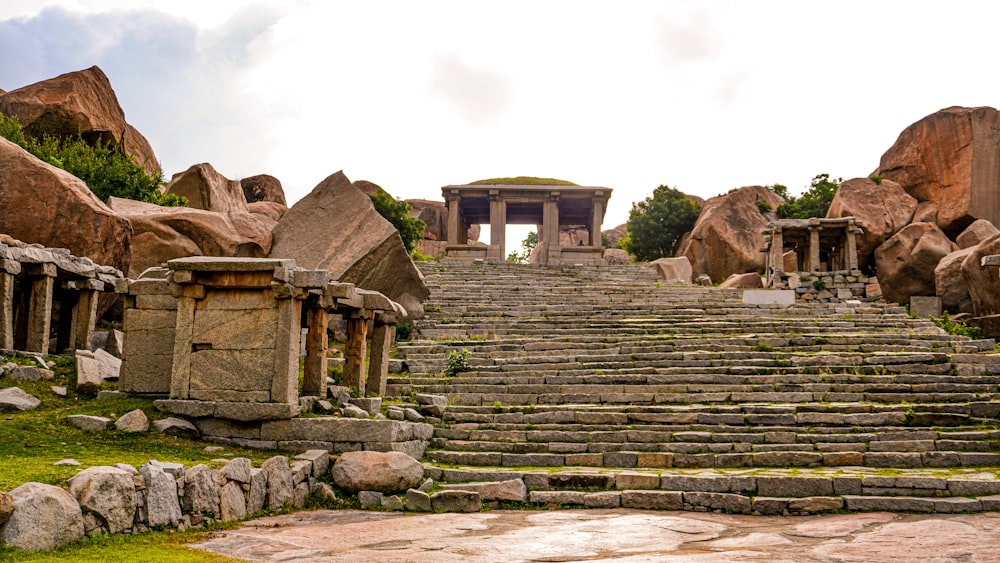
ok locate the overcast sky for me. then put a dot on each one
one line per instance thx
(703, 96)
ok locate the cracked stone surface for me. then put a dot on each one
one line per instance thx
(609, 535)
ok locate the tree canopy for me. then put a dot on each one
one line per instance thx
(655, 225)
(814, 202)
(105, 169)
(397, 212)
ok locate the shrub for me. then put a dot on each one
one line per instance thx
(655, 226)
(458, 362)
(105, 169)
(397, 212)
(814, 202)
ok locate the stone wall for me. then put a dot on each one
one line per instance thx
(122, 500)
(830, 287)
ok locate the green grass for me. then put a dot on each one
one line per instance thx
(140, 548)
(524, 181)
(32, 441)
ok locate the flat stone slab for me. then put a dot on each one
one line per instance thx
(620, 534)
(769, 297)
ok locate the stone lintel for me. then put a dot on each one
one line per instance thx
(222, 264)
(245, 412)
(338, 289)
(40, 269)
(10, 266)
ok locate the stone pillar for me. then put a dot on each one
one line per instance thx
(7, 310)
(775, 256)
(851, 236)
(40, 307)
(596, 219)
(355, 351)
(498, 226)
(314, 370)
(378, 358)
(454, 219)
(550, 224)
(814, 248)
(84, 317)
(180, 374)
(285, 385)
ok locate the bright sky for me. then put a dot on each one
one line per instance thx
(705, 96)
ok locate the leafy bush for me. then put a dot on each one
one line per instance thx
(655, 225)
(958, 328)
(814, 202)
(105, 169)
(458, 362)
(527, 245)
(397, 212)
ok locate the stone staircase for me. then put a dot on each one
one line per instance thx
(604, 367)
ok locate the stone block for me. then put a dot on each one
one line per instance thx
(232, 370)
(632, 480)
(813, 505)
(893, 459)
(191, 409)
(889, 504)
(456, 501)
(620, 459)
(584, 481)
(417, 501)
(794, 486)
(585, 459)
(557, 497)
(256, 411)
(925, 306)
(320, 459)
(604, 499)
(726, 502)
(969, 488)
(652, 500)
(952, 505)
(769, 506)
(783, 297)
(834, 459)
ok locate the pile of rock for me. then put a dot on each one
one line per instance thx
(120, 499)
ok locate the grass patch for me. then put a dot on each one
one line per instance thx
(139, 548)
(524, 181)
(32, 441)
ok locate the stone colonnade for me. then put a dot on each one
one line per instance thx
(547, 206)
(812, 245)
(46, 293)
(222, 336)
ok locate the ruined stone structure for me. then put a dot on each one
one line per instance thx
(543, 205)
(818, 258)
(222, 336)
(46, 293)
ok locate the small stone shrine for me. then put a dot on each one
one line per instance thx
(547, 206)
(222, 336)
(818, 258)
(48, 297)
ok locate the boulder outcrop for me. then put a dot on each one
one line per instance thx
(906, 262)
(673, 269)
(950, 160)
(206, 189)
(726, 238)
(78, 103)
(44, 517)
(108, 492)
(263, 187)
(614, 234)
(882, 209)
(165, 233)
(976, 233)
(749, 280)
(385, 472)
(42, 204)
(336, 228)
(434, 214)
(950, 283)
(984, 283)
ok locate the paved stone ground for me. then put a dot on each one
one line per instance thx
(611, 535)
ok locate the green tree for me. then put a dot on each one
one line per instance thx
(655, 226)
(397, 212)
(814, 202)
(527, 245)
(105, 169)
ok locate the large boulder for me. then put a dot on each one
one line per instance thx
(270, 209)
(983, 283)
(726, 238)
(906, 262)
(45, 517)
(749, 280)
(263, 187)
(42, 204)
(385, 472)
(434, 214)
(206, 189)
(614, 234)
(673, 269)
(950, 159)
(165, 233)
(882, 209)
(78, 103)
(336, 228)
(977, 232)
(950, 283)
(108, 492)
